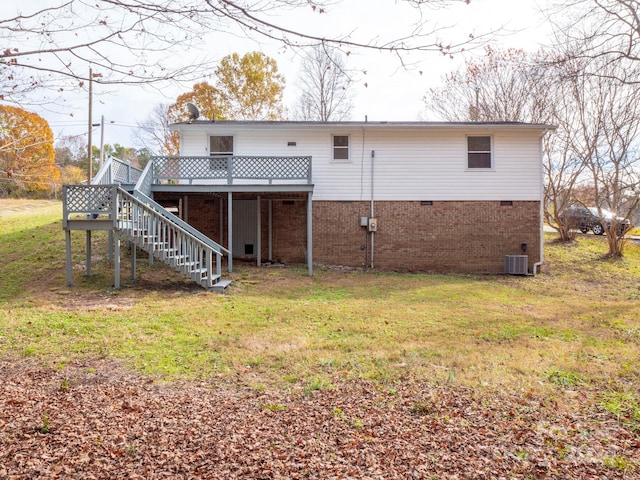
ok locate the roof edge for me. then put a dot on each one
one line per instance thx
(377, 124)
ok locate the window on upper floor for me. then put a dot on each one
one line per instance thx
(479, 152)
(220, 145)
(340, 147)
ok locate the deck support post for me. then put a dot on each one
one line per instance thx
(230, 229)
(270, 240)
(310, 233)
(134, 252)
(259, 234)
(116, 258)
(88, 262)
(67, 234)
(110, 241)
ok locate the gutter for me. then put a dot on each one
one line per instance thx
(539, 263)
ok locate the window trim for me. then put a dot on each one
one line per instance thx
(490, 152)
(347, 148)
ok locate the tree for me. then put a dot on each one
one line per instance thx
(27, 157)
(599, 33)
(72, 175)
(505, 85)
(598, 41)
(211, 101)
(612, 124)
(154, 134)
(71, 150)
(250, 86)
(138, 42)
(247, 87)
(325, 86)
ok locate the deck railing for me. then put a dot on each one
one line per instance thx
(227, 169)
(147, 227)
(116, 171)
(92, 201)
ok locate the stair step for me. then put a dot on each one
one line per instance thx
(168, 249)
(220, 286)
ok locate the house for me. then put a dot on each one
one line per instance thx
(405, 196)
(415, 196)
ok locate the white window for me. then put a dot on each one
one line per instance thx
(220, 145)
(340, 147)
(479, 152)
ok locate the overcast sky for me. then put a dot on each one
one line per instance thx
(391, 92)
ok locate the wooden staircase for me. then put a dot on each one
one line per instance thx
(157, 231)
(147, 225)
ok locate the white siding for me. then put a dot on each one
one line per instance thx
(410, 163)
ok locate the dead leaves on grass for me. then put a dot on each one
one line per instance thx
(99, 421)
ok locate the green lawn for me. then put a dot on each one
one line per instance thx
(575, 326)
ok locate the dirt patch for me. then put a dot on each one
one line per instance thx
(98, 420)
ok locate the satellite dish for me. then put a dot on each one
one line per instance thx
(193, 112)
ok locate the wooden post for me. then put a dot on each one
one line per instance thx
(230, 229)
(134, 251)
(67, 234)
(259, 234)
(116, 282)
(270, 239)
(310, 233)
(88, 253)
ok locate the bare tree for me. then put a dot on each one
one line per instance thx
(613, 124)
(154, 135)
(505, 85)
(600, 33)
(564, 155)
(599, 41)
(142, 41)
(325, 85)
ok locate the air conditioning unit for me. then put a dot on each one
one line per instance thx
(516, 264)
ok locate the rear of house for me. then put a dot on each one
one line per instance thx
(407, 196)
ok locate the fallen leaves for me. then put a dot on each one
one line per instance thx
(110, 423)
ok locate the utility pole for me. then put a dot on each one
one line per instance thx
(89, 146)
(101, 140)
(90, 169)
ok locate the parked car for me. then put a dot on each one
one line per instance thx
(586, 218)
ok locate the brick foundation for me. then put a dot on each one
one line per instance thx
(448, 236)
(445, 236)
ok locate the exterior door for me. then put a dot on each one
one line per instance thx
(245, 236)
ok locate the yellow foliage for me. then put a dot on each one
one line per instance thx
(27, 155)
(252, 85)
(72, 175)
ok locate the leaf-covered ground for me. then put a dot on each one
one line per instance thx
(98, 420)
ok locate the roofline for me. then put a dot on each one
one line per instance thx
(365, 124)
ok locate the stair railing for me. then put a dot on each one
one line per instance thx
(154, 232)
(116, 171)
(142, 191)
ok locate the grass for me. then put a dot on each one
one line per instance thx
(576, 326)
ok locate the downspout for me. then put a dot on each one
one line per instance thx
(372, 213)
(539, 263)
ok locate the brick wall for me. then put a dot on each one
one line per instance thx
(442, 237)
(445, 236)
